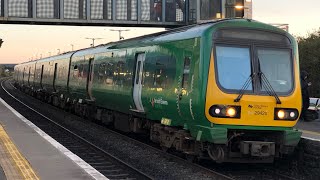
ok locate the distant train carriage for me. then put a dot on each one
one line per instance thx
(227, 90)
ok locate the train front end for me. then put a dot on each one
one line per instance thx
(253, 96)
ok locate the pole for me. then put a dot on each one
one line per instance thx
(1, 42)
(93, 39)
(119, 31)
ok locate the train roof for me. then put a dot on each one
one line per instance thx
(187, 32)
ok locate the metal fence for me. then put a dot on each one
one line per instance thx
(126, 10)
(19, 8)
(101, 9)
(47, 9)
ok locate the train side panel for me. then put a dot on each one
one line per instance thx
(60, 75)
(47, 76)
(112, 82)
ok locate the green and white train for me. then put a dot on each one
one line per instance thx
(228, 90)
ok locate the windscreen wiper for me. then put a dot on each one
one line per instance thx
(267, 85)
(245, 87)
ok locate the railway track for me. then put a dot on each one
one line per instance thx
(107, 164)
(211, 170)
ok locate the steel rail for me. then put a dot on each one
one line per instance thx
(108, 155)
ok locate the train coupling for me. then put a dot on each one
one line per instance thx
(258, 148)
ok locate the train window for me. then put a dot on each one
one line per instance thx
(120, 72)
(159, 71)
(109, 73)
(233, 66)
(102, 68)
(159, 78)
(102, 72)
(80, 70)
(186, 71)
(75, 67)
(138, 73)
(276, 65)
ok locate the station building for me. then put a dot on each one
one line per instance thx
(206, 10)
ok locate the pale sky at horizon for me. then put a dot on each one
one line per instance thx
(23, 42)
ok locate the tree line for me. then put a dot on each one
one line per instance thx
(309, 53)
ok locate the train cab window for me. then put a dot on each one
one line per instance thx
(233, 67)
(186, 71)
(276, 65)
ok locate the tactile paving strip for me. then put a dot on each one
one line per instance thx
(14, 165)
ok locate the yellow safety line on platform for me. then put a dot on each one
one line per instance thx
(21, 163)
(311, 132)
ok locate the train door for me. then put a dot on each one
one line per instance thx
(55, 76)
(137, 87)
(184, 102)
(90, 78)
(41, 76)
(29, 76)
(24, 69)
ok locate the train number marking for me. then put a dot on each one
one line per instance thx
(261, 113)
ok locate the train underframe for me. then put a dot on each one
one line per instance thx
(243, 146)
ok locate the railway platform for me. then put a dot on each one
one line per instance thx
(26, 154)
(310, 130)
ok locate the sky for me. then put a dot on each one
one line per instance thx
(26, 42)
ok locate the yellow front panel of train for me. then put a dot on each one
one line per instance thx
(256, 110)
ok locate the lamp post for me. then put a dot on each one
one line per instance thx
(1, 41)
(71, 47)
(240, 7)
(93, 39)
(120, 37)
(58, 51)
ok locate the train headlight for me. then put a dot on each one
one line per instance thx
(292, 114)
(225, 111)
(286, 114)
(231, 112)
(281, 114)
(217, 111)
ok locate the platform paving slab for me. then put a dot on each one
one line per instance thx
(47, 161)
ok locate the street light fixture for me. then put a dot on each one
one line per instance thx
(93, 39)
(239, 7)
(120, 37)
